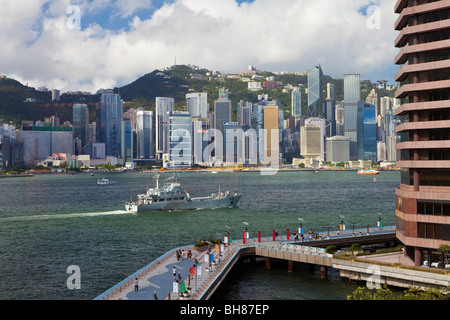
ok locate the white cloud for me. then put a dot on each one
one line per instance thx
(283, 35)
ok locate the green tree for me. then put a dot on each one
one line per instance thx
(443, 249)
(384, 293)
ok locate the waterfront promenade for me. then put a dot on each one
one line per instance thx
(156, 280)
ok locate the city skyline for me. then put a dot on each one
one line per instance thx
(117, 43)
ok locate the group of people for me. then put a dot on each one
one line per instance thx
(183, 254)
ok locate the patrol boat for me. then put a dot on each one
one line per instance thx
(170, 197)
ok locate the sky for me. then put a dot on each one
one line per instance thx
(86, 45)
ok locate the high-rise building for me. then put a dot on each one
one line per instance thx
(338, 149)
(244, 114)
(111, 110)
(197, 104)
(163, 106)
(315, 92)
(296, 102)
(127, 141)
(352, 88)
(423, 198)
(353, 115)
(330, 116)
(271, 135)
(42, 142)
(222, 113)
(56, 95)
(80, 123)
(144, 134)
(200, 141)
(180, 139)
(369, 133)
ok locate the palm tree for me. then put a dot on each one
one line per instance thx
(444, 248)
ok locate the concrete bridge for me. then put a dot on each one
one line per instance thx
(156, 281)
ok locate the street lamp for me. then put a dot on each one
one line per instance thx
(245, 235)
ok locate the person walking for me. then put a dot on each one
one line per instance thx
(136, 285)
(174, 273)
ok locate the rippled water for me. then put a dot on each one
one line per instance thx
(49, 222)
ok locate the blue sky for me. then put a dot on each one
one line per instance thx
(121, 40)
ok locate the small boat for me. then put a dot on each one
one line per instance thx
(371, 171)
(104, 181)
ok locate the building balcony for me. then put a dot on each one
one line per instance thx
(406, 13)
(403, 73)
(424, 193)
(422, 125)
(402, 56)
(436, 144)
(400, 5)
(421, 86)
(424, 164)
(418, 106)
(402, 38)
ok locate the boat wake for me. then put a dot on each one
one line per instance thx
(63, 216)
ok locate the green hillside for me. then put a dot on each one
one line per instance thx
(174, 82)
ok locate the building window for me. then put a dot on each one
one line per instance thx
(433, 208)
(433, 231)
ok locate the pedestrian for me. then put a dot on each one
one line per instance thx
(136, 285)
(296, 237)
(174, 272)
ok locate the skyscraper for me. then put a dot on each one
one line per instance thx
(197, 104)
(315, 92)
(163, 106)
(222, 113)
(180, 139)
(144, 133)
(272, 136)
(80, 124)
(423, 198)
(127, 141)
(370, 132)
(296, 102)
(244, 114)
(352, 88)
(353, 122)
(111, 110)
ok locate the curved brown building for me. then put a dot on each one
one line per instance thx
(423, 199)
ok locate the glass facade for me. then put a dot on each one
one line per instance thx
(197, 104)
(296, 100)
(180, 139)
(144, 132)
(111, 111)
(80, 124)
(370, 133)
(352, 88)
(315, 92)
(162, 107)
(127, 141)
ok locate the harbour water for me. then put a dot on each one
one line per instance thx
(51, 222)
